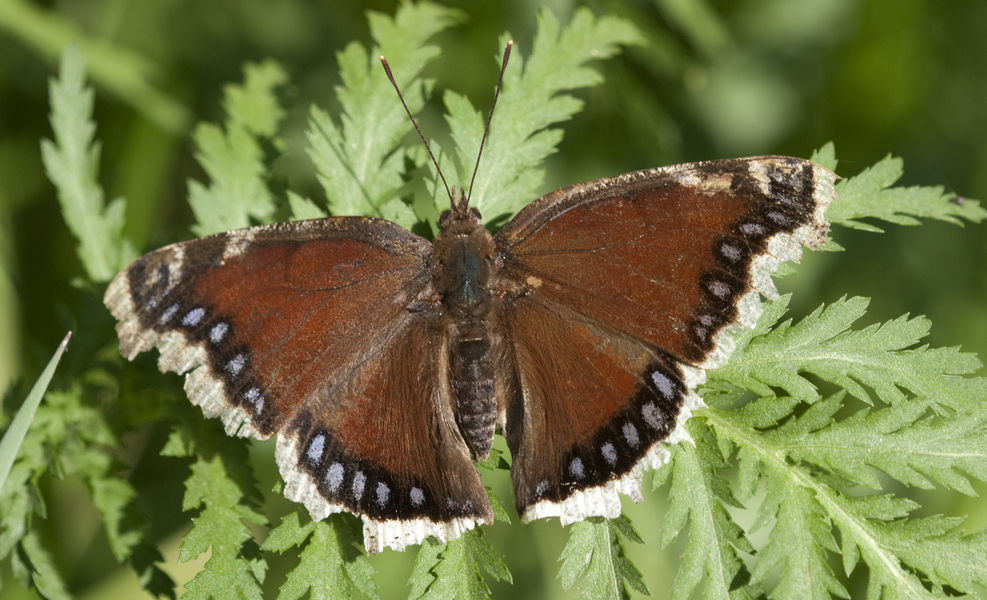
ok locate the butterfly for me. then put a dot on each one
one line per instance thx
(386, 363)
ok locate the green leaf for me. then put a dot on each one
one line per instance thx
(826, 157)
(221, 487)
(809, 462)
(932, 546)
(880, 357)
(869, 195)
(452, 570)
(357, 163)
(72, 164)
(44, 573)
(697, 495)
(596, 554)
(799, 542)
(332, 565)
(422, 576)
(71, 438)
(303, 208)
(904, 442)
(234, 155)
(254, 105)
(14, 436)
(509, 173)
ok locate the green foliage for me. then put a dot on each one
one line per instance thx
(596, 553)
(358, 163)
(71, 437)
(698, 495)
(14, 436)
(877, 356)
(520, 139)
(72, 162)
(839, 415)
(452, 570)
(929, 429)
(125, 73)
(331, 562)
(870, 195)
(221, 487)
(234, 156)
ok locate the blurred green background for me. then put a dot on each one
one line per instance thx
(716, 79)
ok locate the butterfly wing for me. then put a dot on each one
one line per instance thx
(315, 330)
(626, 289)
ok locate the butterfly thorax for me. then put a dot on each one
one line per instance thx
(464, 263)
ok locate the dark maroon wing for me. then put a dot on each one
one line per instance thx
(620, 293)
(314, 330)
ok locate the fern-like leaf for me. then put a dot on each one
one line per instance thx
(596, 554)
(331, 563)
(221, 488)
(870, 195)
(357, 163)
(880, 357)
(698, 494)
(509, 173)
(810, 461)
(234, 155)
(72, 164)
(452, 570)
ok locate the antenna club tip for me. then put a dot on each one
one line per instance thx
(382, 59)
(510, 43)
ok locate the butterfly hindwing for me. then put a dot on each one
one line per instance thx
(590, 415)
(384, 444)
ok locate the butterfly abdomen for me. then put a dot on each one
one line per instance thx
(472, 378)
(464, 265)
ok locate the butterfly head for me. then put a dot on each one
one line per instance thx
(461, 218)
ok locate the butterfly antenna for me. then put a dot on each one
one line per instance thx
(387, 69)
(486, 130)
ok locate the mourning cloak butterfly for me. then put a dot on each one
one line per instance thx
(386, 363)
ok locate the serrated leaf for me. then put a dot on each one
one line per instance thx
(879, 356)
(934, 547)
(806, 460)
(356, 162)
(44, 573)
(799, 543)
(509, 175)
(72, 164)
(233, 155)
(870, 195)
(331, 563)
(904, 442)
(220, 486)
(696, 496)
(422, 576)
(826, 156)
(595, 554)
(254, 105)
(71, 438)
(303, 208)
(452, 570)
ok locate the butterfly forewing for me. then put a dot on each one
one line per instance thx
(308, 324)
(644, 273)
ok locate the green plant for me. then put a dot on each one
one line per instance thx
(786, 411)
